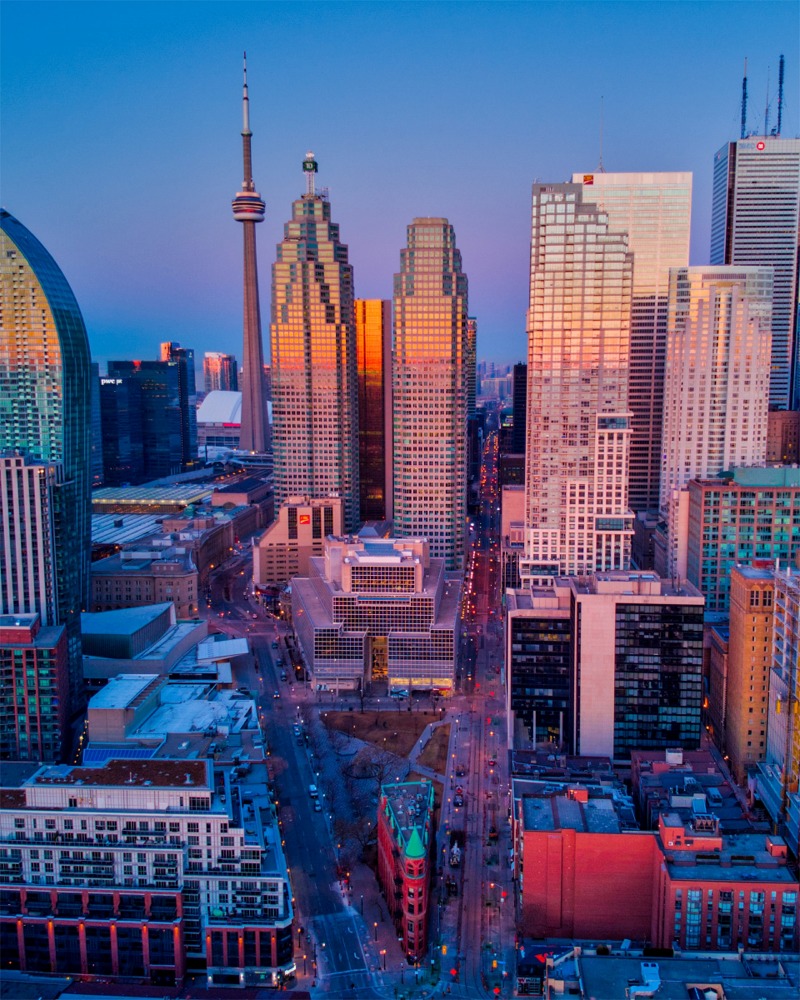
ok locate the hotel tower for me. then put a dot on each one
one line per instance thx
(314, 359)
(655, 210)
(578, 423)
(430, 391)
(248, 208)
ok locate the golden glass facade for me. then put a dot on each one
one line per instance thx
(430, 389)
(578, 423)
(374, 338)
(314, 362)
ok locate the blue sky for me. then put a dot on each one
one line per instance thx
(121, 149)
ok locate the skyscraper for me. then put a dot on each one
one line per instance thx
(220, 372)
(374, 338)
(162, 419)
(45, 386)
(184, 358)
(248, 208)
(579, 423)
(430, 389)
(654, 209)
(715, 385)
(314, 358)
(756, 220)
(121, 418)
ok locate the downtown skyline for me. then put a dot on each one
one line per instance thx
(145, 104)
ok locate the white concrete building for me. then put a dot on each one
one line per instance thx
(378, 610)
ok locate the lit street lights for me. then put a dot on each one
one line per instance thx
(375, 928)
(383, 953)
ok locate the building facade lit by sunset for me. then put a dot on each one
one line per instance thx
(716, 384)
(45, 386)
(220, 372)
(655, 210)
(430, 391)
(578, 421)
(314, 359)
(374, 337)
(755, 220)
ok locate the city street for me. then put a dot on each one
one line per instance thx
(346, 944)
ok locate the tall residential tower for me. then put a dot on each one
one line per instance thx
(430, 391)
(45, 386)
(248, 208)
(314, 358)
(654, 209)
(715, 385)
(578, 423)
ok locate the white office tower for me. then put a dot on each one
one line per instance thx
(579, 423)
(28, 560)
(655, 210)
(755, 220)
(430, 391)
(716, 384)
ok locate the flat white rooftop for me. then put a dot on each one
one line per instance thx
(121, 691)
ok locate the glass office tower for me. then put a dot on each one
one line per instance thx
(655, 210)
(314, 359)
(374, 335)
(430, 391)
(755, 220)
(45, 409)
(579, 424)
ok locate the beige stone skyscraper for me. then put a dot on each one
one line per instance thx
(314, 359)
(655, 210)
(578, 420)
(430, 391)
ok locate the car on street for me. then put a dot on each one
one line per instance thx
(276, 694)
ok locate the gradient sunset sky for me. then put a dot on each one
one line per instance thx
(121, 148)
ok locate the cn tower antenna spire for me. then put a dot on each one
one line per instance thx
(248, 208)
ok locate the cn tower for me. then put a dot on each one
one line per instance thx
(248, 208)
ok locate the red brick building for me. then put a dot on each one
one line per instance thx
(583, 875)
(575, 856)
(34, 689)
(715, 892)
(405, 842)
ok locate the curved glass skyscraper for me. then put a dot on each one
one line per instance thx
(45, 379)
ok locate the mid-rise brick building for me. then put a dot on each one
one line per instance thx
(406, 840)
(34, 689)
(136, 870)
(684, 884)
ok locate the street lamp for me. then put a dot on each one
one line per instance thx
(304, 964)
(375, 928)
(383, 952)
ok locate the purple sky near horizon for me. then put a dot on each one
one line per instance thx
(121, 149)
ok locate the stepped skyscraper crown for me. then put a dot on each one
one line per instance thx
(248, 208)
(314, 358)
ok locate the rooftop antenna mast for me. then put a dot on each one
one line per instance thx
(766, 109)
(743, 134)
(600, 166)
(780, 96)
